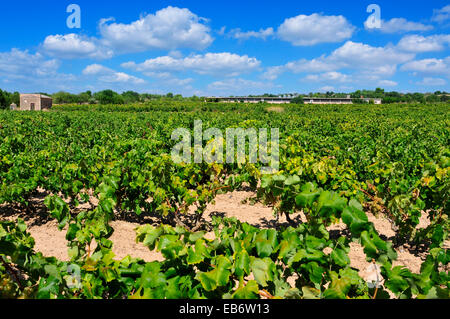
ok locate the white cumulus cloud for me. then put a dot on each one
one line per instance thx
(441, 15)
(363, 56)
(399, 25)
(300, 66)
(353, 62)
(307, 30)
(420, 44)
(429, 66)
(17, 63)
(261, 34)
(225, 64)
(73, 46)
(427, 81)
(108, 75)
(28, 72)
(366, 59)
(170, 28)
(95, 69)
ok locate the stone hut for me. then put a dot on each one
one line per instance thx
(35, 102)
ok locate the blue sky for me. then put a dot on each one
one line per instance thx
(225, 47)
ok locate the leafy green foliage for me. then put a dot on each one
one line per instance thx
(334, 166)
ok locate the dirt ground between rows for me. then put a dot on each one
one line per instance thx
(52, 243)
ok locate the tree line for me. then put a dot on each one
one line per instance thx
(102, 97)
(111, 97)
(6, 99)
(388, 97)
(396, 97)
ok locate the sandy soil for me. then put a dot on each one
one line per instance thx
(51, 242)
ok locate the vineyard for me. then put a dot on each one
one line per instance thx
(98, 164)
